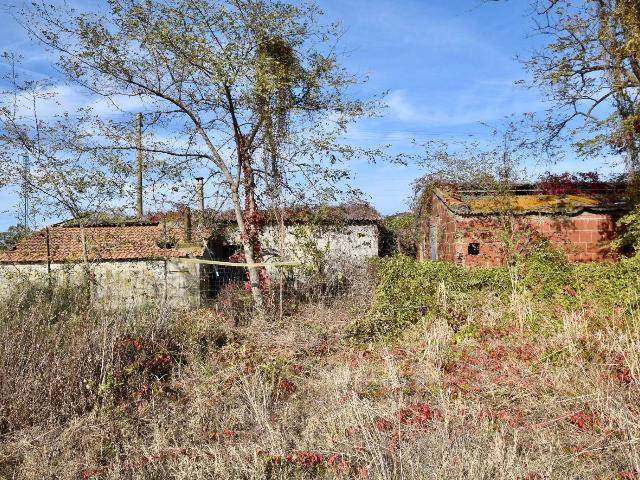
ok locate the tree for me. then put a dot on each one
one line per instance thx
(590, 71)
(13, 235)
(493, 168)
(254, 86)
(67, 174)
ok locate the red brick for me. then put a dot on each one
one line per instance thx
(586, 235)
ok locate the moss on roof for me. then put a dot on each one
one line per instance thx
(485, 203)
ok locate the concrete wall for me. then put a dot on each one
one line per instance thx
(583, 238)
(117, 283)
(342, 246)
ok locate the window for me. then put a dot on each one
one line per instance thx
(473, 249)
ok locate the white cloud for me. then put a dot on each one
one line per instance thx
(400, 108)
(485, 101)
(59, 98)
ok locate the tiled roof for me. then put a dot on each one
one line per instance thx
(483, 203)
(128, 242)
(351, 212)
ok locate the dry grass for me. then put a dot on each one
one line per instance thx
(86, 393)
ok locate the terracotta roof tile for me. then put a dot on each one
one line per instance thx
(102, 243)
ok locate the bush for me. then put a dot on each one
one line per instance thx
(407, 291)
(235, 303)
(608, 285)
(61, 357)
(545, 272)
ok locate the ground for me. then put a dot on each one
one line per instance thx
(510, 391)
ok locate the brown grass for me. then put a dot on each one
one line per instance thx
(86, 393)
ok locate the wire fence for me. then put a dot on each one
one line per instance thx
(289, 280)
(284, 290)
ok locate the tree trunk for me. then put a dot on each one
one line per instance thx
(249, 225)
(254, 277)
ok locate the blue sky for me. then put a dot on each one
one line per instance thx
(448, 65)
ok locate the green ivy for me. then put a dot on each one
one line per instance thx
(409, 291)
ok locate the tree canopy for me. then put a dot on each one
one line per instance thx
(589, 70)
(251, 91)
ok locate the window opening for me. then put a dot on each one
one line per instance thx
(473, 249)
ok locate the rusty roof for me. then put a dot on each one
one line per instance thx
(349, 212)
(523, 202)
(126, 242)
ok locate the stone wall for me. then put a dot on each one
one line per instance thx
(117, 283)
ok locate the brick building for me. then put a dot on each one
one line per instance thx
(474, 227)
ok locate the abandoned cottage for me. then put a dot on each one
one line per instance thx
(467, 226)
(129, 261)
(135, 261)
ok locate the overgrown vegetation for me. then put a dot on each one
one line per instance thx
(529, 371)
(398, 234)
(409, 291)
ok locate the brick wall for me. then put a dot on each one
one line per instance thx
(446, 226)
(584, 238)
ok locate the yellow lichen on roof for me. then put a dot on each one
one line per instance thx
(529, 202)
(524, 203)
(451, 198)
(525, 199)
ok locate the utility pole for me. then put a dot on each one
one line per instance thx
(25, 191)
(140, 211)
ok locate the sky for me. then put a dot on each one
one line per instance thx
(448, 67)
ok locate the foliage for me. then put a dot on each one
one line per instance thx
(496, 166)
(589, 69)
(309, 251)
(154, 393)
(251, 92)
(545, 271)
(67, 173)
(609, 286)
(408, 291)
(399, 234)
(580, 182)
(629, 228)
(13, 235)
(234, 302)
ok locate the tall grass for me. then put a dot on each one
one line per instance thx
(497, 384)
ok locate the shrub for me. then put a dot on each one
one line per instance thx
(61, 357)
(235, 303)
(407, 291)
(608, 285)
(545, 271)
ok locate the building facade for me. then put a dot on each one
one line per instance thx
(484, 228)
(136, 261)
(338, 240)
(130, 263)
